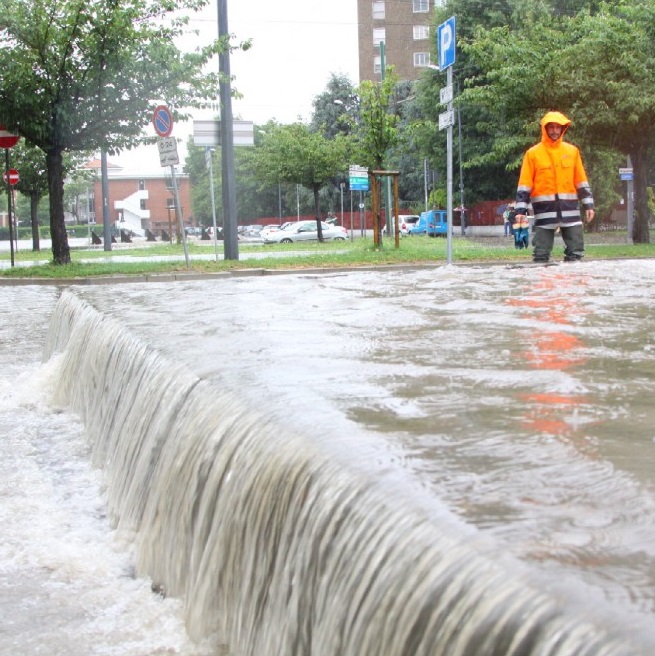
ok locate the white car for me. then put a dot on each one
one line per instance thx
(306, 231)
(407, 221)
(267, 229)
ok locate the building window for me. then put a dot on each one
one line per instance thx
(421, 6)
(379, 34)
(142, 203)
(439, 3)
(421, 32)
(170, 203)
(378, 10)
(377, 66)
(421, 58)
(142, 185)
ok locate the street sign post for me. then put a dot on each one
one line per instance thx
(358, 178)
(11, 177)
(7, 141)
(167, 147)
(208, 133)
(446, 51)
(446, 43)
(162, 119)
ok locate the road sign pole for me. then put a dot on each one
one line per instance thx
(630, 199)
(9, 208)
(178, 213)
(449, 174)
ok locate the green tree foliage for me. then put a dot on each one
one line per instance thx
(335, 110)
(376, 130)
(31, 165)
(596, 67)
(87, 74)
(295, 154)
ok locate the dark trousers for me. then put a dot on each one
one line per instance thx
(544, 239)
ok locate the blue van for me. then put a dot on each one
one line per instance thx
(433, 223)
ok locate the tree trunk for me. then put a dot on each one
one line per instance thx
(640, 228)
(317, 211)
(60, 250)
(34, 220)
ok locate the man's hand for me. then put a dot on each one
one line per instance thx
(589, 216)
(519, 217)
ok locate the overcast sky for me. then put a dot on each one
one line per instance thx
(296, 46)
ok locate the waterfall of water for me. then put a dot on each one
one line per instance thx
(276, 547)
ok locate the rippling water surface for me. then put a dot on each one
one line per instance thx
(517, 399)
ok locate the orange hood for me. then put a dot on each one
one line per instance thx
(554, 117)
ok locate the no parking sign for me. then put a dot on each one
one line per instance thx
(162, 119)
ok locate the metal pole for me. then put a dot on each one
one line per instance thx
(106, 227)
(350, 193)
(387, 181)
(449, 175)
(230, 236)
(11, 225)
(210, 165)
(425, 181)
(178, 212)
(631, 213)
(462, 213)
(341, 187)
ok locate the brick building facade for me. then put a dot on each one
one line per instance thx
(141, 200)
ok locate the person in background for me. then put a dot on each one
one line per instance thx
(508, 218)
(554, 181)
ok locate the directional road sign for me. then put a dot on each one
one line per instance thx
(358, 178)
(162, 119)
(446, 119)
(208, 133)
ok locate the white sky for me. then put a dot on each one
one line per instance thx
(297, 44)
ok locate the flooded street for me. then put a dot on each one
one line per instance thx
(510, 405)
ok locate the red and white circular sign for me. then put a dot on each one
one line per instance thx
(7, 139)
(11, 176)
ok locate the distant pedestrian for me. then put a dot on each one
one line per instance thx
(554, 180)
(508, 218)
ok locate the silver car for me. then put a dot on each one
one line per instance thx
(306, 231)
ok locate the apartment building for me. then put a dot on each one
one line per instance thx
(404, 26)
(139, 200)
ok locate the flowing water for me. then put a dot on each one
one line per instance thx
(455, 460)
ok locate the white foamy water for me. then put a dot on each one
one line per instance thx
(455, 460)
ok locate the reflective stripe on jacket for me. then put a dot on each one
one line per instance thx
(553, 179)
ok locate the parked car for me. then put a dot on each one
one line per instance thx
(406, 221)
(431, 223)
(251, 230)
(306, 231)
(268, 229)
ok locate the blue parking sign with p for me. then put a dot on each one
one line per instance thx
(446, 44)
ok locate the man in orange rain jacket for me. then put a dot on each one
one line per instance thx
(554, 181)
